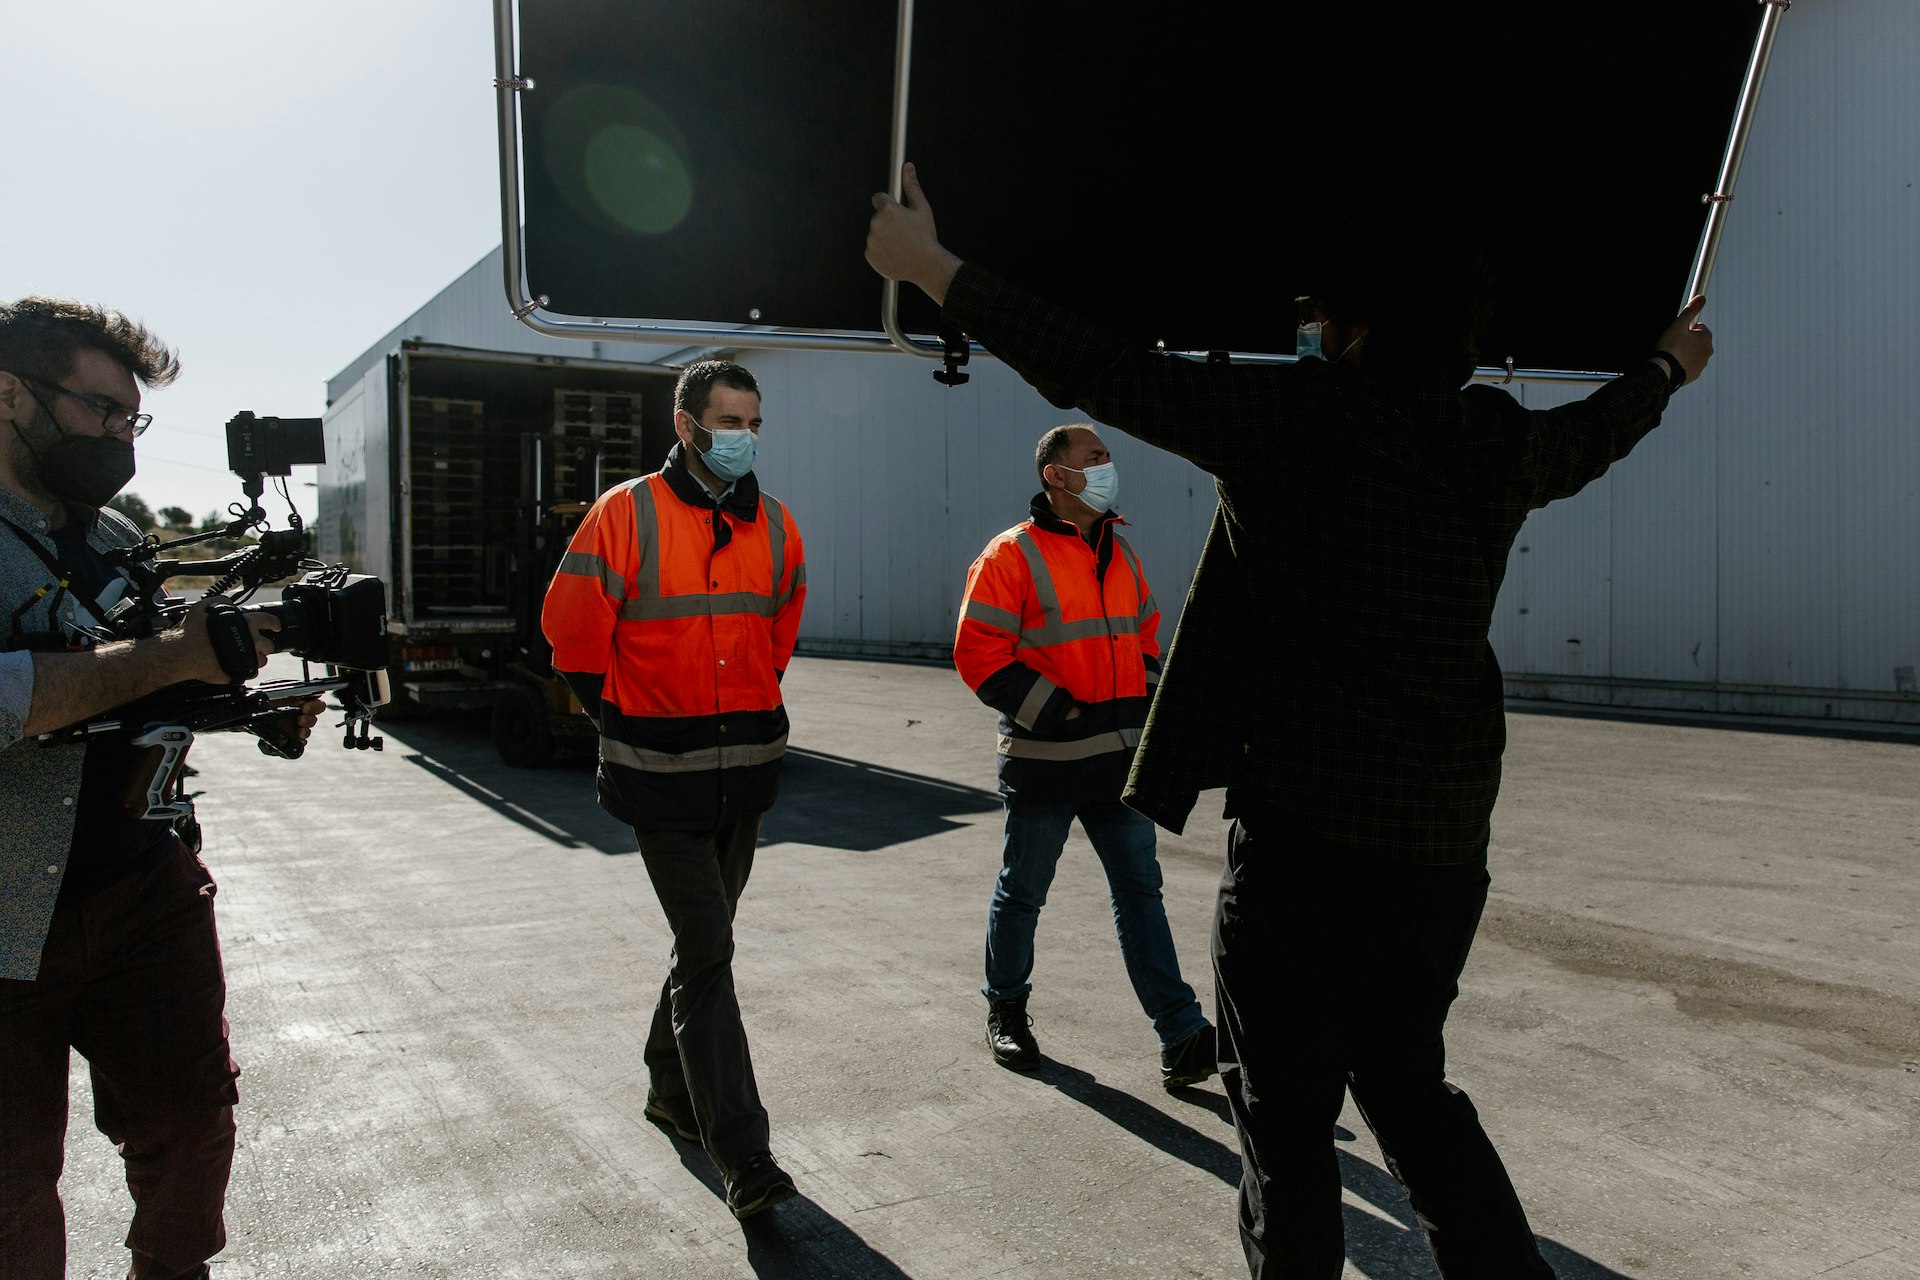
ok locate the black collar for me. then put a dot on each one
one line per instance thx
(743, 503)
(1045, 517)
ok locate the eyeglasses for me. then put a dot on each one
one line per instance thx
(115, 418)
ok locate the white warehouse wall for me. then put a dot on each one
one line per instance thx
(897, 483)
(1757, 553)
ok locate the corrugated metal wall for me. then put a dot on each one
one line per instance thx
(1758, 552)
(897, 483)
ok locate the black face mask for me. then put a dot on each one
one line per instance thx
(83, 470)
(88, 470)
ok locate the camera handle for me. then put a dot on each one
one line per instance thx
(171, 724)
(276, 735)
(173, 741)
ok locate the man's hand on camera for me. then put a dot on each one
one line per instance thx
(198, 655)
(288, 724)
(310, 712)
(71, 687)
(902, 243)
(1689, 341)
(264, 627)
(193, 651)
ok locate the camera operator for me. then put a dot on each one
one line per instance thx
(107, 941)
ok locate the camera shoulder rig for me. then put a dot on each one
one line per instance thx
(331, 616)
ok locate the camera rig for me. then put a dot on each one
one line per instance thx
(331, 617)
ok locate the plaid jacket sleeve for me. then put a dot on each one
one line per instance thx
(1213, 415)
(1331, 661)
(1572, 445)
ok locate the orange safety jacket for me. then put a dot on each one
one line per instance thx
(1050, 623)
(672, 619)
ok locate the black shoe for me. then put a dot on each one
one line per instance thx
(1010, 1034)
(758, 1185)
(675, 1114)
(1189, 1062)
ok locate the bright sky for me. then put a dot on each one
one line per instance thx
(270, 186)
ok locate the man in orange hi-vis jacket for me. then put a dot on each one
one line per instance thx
(672, 618)
(1060, 634)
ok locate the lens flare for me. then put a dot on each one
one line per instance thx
(618, 159)
(637, 179)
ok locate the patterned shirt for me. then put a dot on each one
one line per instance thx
(1332, 662)
(41, 783)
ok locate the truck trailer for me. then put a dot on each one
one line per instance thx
(457, 476)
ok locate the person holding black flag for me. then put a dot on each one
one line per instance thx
(1332, 672)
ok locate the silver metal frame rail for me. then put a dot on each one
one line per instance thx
(1721, 196)
(509, 84)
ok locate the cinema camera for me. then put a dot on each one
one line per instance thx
(331, 617)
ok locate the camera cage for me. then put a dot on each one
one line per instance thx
(331, 616)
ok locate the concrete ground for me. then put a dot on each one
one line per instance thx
(1691, 1022)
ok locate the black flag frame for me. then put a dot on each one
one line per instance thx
(705, 166)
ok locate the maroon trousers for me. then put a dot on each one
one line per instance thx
(131, 978)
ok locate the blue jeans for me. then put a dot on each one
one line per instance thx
(1036, 832)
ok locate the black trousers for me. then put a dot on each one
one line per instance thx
(697, 1046)
(1334, 970)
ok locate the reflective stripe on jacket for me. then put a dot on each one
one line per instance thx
(671, 619)
(1049, 624)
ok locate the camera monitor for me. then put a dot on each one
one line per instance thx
(259, 446)
(1182, 173)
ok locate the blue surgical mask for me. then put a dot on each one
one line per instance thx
(732, 453)
(1306, 340)
(1103, 485)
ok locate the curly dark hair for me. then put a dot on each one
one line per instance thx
(695, 387)
(39, 338)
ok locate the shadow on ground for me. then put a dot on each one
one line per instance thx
(797, 1240)
(1385, 1243)
(832, 802)
(555, 804)
(1852, 730)
(835, 802)
(826, 801)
